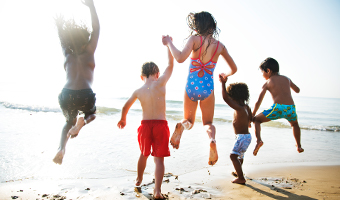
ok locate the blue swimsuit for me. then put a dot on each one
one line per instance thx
(200, 82)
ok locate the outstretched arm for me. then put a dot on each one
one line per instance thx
(168, 71)
(95, 26)
(226, 98)
(259, 101)
(122, 122)
(180, 56)
(230, 61)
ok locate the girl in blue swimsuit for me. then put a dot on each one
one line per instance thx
(204, 50)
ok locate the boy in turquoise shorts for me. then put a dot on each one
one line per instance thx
(279, 87)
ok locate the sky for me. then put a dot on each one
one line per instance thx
(302, 35)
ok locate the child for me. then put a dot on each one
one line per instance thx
(79, 64)
(204, 50)
(237, 97)
(283, 107)
(153, 131)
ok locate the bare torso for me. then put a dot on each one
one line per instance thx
(152, 98)
(241, 120)
(279, 87)
(79, 70)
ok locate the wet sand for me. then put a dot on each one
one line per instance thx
(270, 181)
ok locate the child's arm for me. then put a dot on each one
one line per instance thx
(294, 87)
(259, 101)
(225, 95)
(250, 116)
(180, 56)
(92, 45)
(168, 71)
(122, 122)
(230, 61)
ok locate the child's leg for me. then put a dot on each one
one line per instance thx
(235, 173)
(74, 131)
(207, 107)
(187, 123)
(238, 167)
(297, 135)
(58, 159)
(258, 119)
(140, 169)
(159, 173)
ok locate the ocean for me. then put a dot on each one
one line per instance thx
(31, 123)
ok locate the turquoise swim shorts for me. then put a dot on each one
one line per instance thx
(278, 111)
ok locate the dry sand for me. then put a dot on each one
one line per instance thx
(263, 182)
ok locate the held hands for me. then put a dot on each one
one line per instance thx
(223, 78)
(121, 124)
(166, 40)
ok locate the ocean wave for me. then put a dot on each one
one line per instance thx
(33, 108)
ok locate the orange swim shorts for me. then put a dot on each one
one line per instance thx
(155, 134)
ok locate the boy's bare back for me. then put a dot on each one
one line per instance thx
(152, 98)
(279, 87)
(242, 119)
(79, 70)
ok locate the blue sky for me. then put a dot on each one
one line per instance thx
(302, 35)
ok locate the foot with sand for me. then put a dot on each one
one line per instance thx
(158, 195)
(257, 147)
(239, 181)
(58, 159)
(74, 131)
(176, 136)
(213, 156)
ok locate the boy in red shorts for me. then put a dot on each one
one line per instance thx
(153, 131)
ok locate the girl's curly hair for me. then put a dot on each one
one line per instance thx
(149, 69)
(238, 92)
(204, 24)
(72, 36)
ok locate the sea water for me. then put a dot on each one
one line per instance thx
(31, 124)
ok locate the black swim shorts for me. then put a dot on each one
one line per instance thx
(73, 101)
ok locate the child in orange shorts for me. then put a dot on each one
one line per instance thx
(153, 132)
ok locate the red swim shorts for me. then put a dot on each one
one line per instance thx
(155, 134)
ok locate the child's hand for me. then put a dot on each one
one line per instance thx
(88, 3)
(223, 77)
(166, 40)
(121, 124)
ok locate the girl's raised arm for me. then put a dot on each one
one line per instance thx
(95, 26)
(180, 56)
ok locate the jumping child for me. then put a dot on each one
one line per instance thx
(78, 46)
(237, 97)
(279, 87)
(154, 131)
(204, 50)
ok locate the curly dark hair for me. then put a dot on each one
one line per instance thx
(149, 69)
(72, 36)
(238, 92)
(204, 24)
(270, 63)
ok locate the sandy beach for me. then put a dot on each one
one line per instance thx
(263, 182)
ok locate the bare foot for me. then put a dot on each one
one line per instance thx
(300, 150)
(158, 195)
(138, 182)
(58, 159)
(257, 147)
(213, 156)
(239, 181)
(176, 136)
(73, 132)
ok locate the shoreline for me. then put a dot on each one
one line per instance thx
(267, 181)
